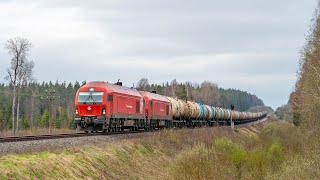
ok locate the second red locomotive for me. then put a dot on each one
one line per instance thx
(157, 109)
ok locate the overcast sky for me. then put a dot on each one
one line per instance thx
(252, 45)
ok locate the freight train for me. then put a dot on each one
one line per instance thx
(101, 106)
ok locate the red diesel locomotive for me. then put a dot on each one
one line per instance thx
(100, 106)
(157, 109)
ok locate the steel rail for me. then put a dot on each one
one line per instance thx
(60, 136)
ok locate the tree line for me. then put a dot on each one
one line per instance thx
(206, 93)
(35, 109)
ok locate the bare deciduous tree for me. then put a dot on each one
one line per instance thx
(173, 84)
(209, 92)
(143, 84)
(305, 100)
(18, 48)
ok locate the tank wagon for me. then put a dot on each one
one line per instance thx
(101, 106)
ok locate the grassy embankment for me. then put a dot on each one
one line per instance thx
(273, 151)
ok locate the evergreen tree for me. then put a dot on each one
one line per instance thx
(45, 119)
(65, 120)
(2, 121)
(76, 86)
(56, 123)
(37, 122)
(181, 93)
(25, 123)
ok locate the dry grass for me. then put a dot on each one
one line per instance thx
(35, 131)
(273, 151)
(120, 160)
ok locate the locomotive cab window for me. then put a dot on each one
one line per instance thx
(90, 97)
(110, 97)
(150, 103)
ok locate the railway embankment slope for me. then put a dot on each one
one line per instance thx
(257, 151)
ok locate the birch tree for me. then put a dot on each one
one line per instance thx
(18, 49)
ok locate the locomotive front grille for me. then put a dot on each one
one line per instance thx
(97, 112)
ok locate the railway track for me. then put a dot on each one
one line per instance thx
(61, 136)
(252, 123)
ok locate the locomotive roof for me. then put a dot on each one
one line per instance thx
(112, 88)
(153, 96)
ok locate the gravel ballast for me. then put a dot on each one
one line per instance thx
(58, 144)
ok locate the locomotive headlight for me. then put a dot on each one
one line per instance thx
(103, 110)
(77, 112)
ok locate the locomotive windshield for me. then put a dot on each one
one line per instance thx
(90, 97)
